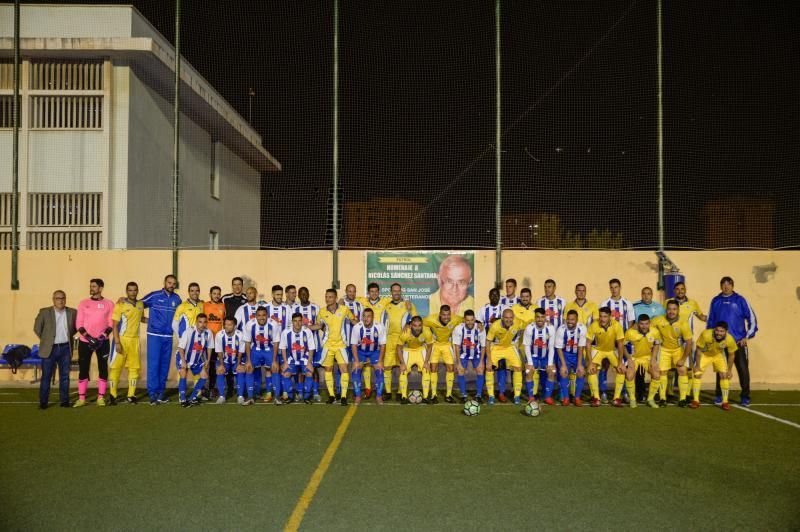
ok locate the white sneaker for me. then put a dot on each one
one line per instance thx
(221, 400)
(240, 400)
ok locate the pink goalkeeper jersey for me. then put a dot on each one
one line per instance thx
(94, 315)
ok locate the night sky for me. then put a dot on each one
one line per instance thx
(579, 107)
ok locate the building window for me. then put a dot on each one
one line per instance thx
(66, 75)
(66, 94)
(214, 172)
(65, 209)
(213, 240)
(66, 112)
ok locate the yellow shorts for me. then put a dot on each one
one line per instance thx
(390, 357)
(510, 354)
(669, 358)
(599, 356)
(641, 362)
(129, 358)
(414, 357)
(719, 362)
(442, 353)
(330, 354)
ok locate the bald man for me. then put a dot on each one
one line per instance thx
(454, 278)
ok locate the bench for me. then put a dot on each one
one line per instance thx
(31, 360)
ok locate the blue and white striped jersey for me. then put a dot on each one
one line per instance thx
(621, 311)
(469, 343)
(570, 340)
(261, 337)
(194, 344)
(539, 343)
(553, 310)
(229, 346)
(368, 339)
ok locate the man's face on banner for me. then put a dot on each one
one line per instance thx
(455, 276)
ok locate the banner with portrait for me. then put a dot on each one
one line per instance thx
(429, 279)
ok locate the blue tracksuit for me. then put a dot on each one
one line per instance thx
(162, 307)
(736, 312)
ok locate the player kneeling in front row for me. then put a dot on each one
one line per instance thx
(261, 337)
(643, 344)
(228, 344)
(297, 350)
(712, 346)
(570, 344)
(413, 351)
(501, 344)
(469, 340)
(606, 336)
(194, 352)
(368, 344)
(538, 341)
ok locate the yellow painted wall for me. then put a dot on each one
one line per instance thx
(775, 301)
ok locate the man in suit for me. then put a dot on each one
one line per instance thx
(55, 327)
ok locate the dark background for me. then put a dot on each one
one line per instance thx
(579, 109)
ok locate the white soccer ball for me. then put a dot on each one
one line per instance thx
(472, 408)
(532, 408)
(415, 397)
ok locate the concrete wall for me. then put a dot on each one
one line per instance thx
(774, 296)
(71, 21)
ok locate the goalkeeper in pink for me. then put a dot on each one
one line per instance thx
(94, 325)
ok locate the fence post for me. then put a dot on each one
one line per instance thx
(15, 163)
(176, 141)
(498, 241)
(335, 257)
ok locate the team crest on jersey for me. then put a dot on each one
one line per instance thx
(260, 338)
(367, 341)
(468, 343)
(539, 342)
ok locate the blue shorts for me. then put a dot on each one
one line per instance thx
(230, 367)
(261, 358)
(572, 362)
(539, 363)
(371, 357)
(195, 368)
(475, 362)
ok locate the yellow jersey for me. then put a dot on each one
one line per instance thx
(415, 343)
(587, 313)
(397, 316)
(525, 315)
(500, 336)
(185, 315)
(335, 324)
(129, 315)
(605, 339)
(709, 346)
(641, 345)
(441, 333)
(378, 307)
(673, 335)
(687, 309)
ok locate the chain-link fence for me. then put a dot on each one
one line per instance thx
(415, 151)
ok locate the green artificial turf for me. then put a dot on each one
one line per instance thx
(398, 467)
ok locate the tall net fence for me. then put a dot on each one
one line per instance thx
(414, 160)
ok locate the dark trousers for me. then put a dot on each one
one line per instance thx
(60, 357)
(742, 362)
(85, 360)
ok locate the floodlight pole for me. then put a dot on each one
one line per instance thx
(660, 140)
(176, 140)
(498, 243)
(335, 257)
(15, 157)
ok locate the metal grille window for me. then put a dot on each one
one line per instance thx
(66, 112)
(6, 75)
(5, 209)
(44, 240)
(6, 111)
(64, 210)
(66, 76)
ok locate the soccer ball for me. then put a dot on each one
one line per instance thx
(415, 397)
(472, 408)
(532, 408)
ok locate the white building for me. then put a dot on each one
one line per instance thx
(96, 138)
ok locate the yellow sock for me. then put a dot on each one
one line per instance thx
(662, 386)
(344, 380)
(329, 382)
(619, 382)
(631, 385)
(449, 378)
(433, 383)
(535, 382)
(654, 384)
(366, 375)
(404, 384)
(490, 383)
(113, 380)
(594, 385)
(572, 384)
(683, 386)
(133, 380)
(696, 388)
(724, 386)
(426, 383)
(516, 378)
(387, 381)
